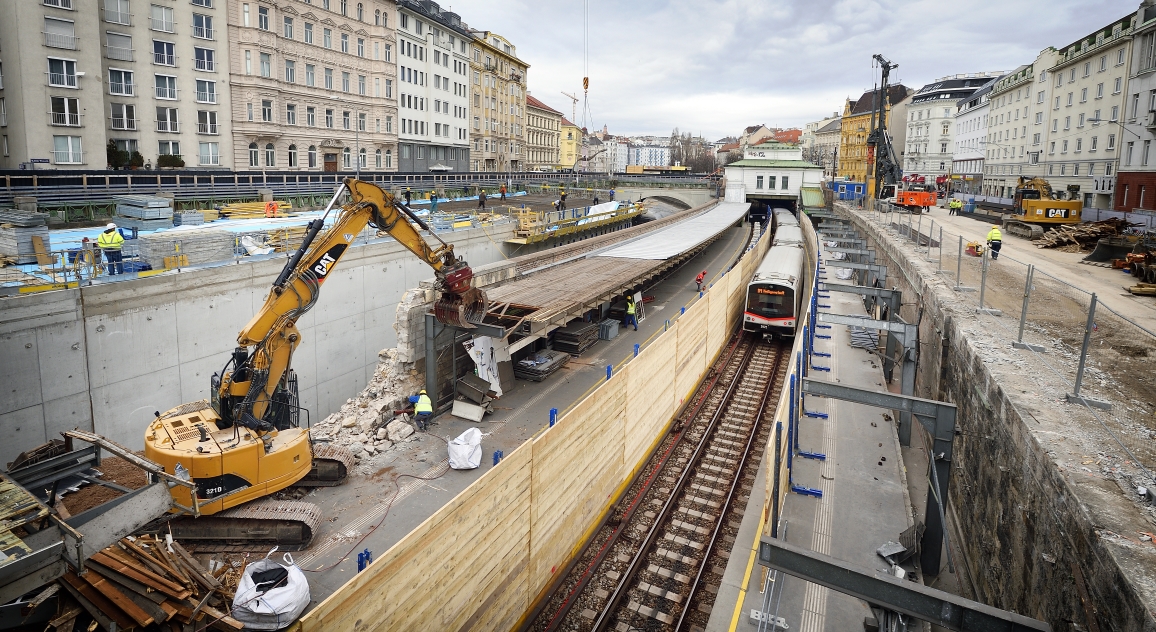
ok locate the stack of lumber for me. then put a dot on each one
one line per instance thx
(1084, 235)
(286, 239)
(143, 582)
(18, 230)
(1143, 289)
(197, 246)
(251, 210)
(576, 337)
(541, 365)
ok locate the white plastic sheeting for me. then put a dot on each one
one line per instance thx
(683, 236)
(466, 450)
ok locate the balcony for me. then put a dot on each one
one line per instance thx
(63, 80)
(66, 157)
(124, 124)
(203, 32)
(206, 97)
(160, 24)
(118, 52)
(118, 17)
(64, 119)
(57, 40)
(208, 128)
(166, 93)
(164, 59)
(1150, 121)
(210, 160)
(207, 65)
(167, 126)
(121, 89)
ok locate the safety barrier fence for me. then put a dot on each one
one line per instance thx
(482, 560)
(1081, 345)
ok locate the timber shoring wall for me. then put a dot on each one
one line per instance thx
(481, 561)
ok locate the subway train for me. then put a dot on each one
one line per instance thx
(775, 294)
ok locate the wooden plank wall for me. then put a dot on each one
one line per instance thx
(481, 561)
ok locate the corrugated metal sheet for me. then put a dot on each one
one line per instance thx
(683, 236)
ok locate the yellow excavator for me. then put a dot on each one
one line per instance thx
(244, 442)
(1036, 208)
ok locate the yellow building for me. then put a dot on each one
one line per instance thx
(497, 104)
(856, 127)
(570, 145)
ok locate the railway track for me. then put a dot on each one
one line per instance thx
(658, 561)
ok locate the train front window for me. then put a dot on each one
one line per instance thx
(769, 301)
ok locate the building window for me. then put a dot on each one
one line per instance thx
(59, 33)
(310, 75)
(312, 156)
(361, 159)
(203, 26)
(377, 159)
(206, 91)
(345, 120)
(164, 53)
(65, 112)
(167, 120)
(267, 111)
(328, 78)
(254, 155)
(161, 19)
(290, 71)
(311, 116)
(329, 118)
(361, 118)
(360, 13)
(360, 47)
(248, 62)
(120, 82)
(169, 148)
(344, 7)
(1115, 113)
(166, 86)
(210, 154)
(1092, 145)
(308, 33)
(1116, 85)
(249, 111)
(389, 159)
(758, 182)
(784, 187)
(266, 65)
(361, 85)
(123, 116)
(344, 81)
(345, 42)
(327, 38)
(288, 28)
(205, 59)
(346, 158)
(206, 122)
(263, 18)
(389, 88)
(290, 114)
(270, 155)
(1111, 142)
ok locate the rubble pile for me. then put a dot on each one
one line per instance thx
(369, 424)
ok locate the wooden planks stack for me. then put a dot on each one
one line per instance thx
(1084, 235)
(18, 231)
(252, 210)
(142, 582)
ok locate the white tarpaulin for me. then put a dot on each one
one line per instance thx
(466, 450)
(274, 605)
(486, 356)
(686, 235)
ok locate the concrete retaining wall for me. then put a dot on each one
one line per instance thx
(1031, 532)
(105, 357)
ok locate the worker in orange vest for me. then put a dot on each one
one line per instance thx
(699, 279)
(270, 209)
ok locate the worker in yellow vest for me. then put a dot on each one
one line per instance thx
(994, 240)
(110, 243)
(422, 411)
(631, 314)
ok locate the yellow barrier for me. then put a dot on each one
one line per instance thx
(481, 561)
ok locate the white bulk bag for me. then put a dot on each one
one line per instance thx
(466, 450)
(277, 607)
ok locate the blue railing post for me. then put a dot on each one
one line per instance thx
(609, 371)
(636, 347)
(498, 456)
(553, 416)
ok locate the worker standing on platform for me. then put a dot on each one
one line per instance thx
(611, 195)
(994, 240)
(110, 243)
(700, 279)
(482, 200)
(562, 198)
(631, 314)
(433, 202)
(422, 411)
(502, 190)
(953, 206)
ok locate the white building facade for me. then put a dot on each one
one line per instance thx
(929, 141)
(970, 141)
(771, 172)
(649, 155)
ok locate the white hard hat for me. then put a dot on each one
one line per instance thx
(110, 226)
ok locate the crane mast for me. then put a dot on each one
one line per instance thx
(886, 164)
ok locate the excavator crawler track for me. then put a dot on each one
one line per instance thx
(255, 526)
(331, 466)
(1023, 230)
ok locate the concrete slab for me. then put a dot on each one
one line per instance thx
(377, 511)
(865, 501)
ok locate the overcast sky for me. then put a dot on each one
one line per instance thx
(714, 67)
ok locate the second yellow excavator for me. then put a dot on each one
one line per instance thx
(244, 442)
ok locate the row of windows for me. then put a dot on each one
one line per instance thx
(265, 69)
(69, 150)
(381, 159)
(771, 182)
(265, 114)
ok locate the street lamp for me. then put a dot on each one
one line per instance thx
(356, 139)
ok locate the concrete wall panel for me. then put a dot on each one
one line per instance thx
(67, 413)
(121, 410)
(61, 357)
(19, 371)
(23, 427)
(131, 344)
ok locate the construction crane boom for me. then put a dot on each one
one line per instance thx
(573, 106)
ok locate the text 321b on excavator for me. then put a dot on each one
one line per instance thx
(245, 441)
(1037, 208)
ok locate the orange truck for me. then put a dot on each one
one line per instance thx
(916, 201)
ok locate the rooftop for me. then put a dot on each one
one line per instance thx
(775, 164)
(535, 103)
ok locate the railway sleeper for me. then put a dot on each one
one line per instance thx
(714, 491)
(686, 526)
(674, 556)
(645, 611)
(703, 501)
(720, 449)
(707, 477)
(660, 592)
(715, 468)
(668, 573)
(721, 458)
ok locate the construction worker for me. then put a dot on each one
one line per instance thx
(482, 200)
(994, 240)
(611, 195)
(422, 411)
(270, 209)
(503, 192)
(700, 279)
(433, 202)
(110, 243)
(631, 314)
(953, 206)
(562, 197)
(407, 195)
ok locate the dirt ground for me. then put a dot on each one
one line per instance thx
(115, 470)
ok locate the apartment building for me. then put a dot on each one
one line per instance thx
(498, 104)
(930, 125)
(543, 131)
(855, 127)
(313, 85)
(1018, 108)
(434, 71)
(569, 145)
(1136, 180)
(148, 76)
(970, 140)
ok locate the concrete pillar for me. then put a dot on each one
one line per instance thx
(25, 203)
(266, 195)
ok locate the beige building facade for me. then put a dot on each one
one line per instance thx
(543, 131)
(313, 85)
(148, 76)
(497, 105)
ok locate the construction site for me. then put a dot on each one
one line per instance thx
(374, 411)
